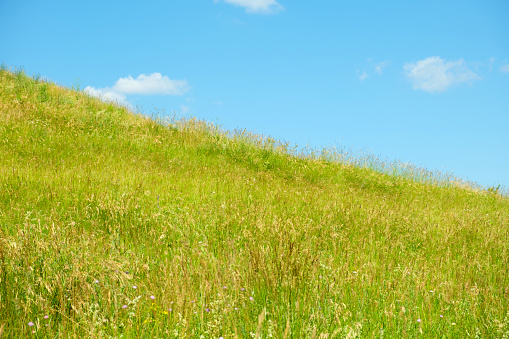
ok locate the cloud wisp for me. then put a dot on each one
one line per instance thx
(256, 6)
(153, 84)
(362, 76)
(505, 68)
(380, 66)
(434, 74)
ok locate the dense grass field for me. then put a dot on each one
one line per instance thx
(116, 225)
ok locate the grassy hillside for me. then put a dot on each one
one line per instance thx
(113, 225)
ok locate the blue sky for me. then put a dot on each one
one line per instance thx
(425, 82)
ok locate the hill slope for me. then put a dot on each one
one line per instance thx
(112, 224)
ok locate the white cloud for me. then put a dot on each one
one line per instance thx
(256, 6)
(154, 83)
(505, 68)
(433, 74)
(107, 94)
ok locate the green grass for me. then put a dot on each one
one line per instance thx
(232, 234)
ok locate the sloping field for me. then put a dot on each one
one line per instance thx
(114, 225)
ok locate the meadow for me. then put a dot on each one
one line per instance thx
(117, 225)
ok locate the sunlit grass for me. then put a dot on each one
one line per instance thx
(116, 225)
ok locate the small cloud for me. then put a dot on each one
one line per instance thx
(505, 68)
(379, 67)
(217, 103)
(154, 83)
(184, 109)
(256, 6)
(434, 74)
(363, 76)
(107, 94)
